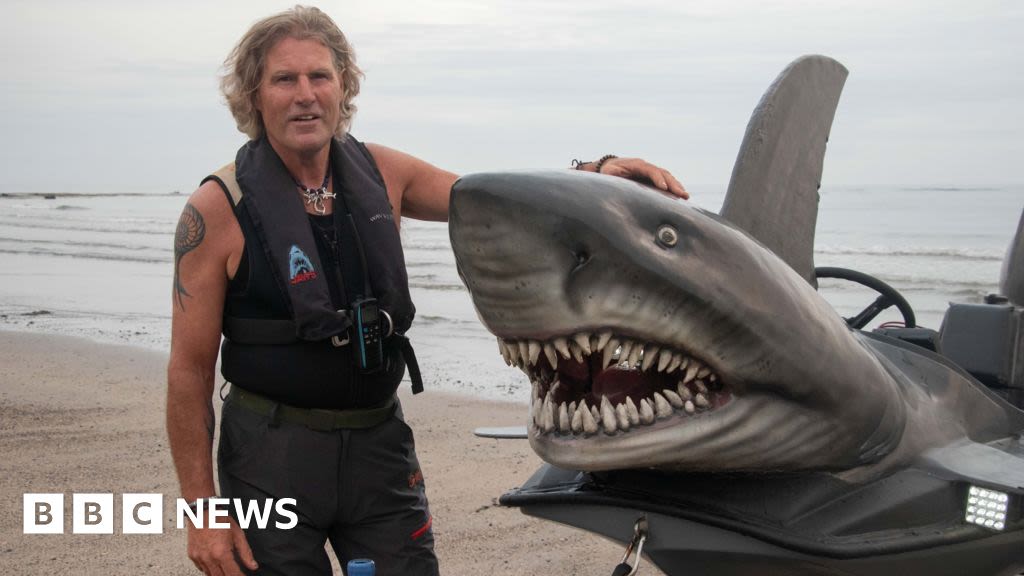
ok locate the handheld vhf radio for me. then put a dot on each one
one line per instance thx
(366, 319)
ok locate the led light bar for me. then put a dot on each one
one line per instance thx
(986, 508)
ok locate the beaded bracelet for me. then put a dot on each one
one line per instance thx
(602, 160)
(579, 164)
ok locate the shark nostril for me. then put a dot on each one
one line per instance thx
(582, 257)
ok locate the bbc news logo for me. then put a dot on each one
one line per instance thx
(143, 513)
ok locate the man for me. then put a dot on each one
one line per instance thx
(311, 229)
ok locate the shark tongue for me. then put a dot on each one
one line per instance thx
(589, 380)
(617, 384)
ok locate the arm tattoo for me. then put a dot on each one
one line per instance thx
(190, 233)
(211, 421)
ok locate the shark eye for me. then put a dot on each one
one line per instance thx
(667, 236)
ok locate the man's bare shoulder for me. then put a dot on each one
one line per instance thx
(378, 150)
(211, 200)
(208, 217)
(207, 246)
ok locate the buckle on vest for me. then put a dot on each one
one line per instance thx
(339, 341)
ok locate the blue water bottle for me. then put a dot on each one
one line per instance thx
(361, 567)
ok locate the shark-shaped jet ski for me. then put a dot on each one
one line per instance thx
(686, 372)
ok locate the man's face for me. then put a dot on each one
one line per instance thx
(299, 97)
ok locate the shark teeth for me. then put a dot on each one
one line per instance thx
(581, 419)
(611, 350)
(562, 345)
(589, 424)
(608, 419)
(650, 353)
(582, 340)
(618, 351)
(564, 424)
(578, 418)
(646, 412)
(549, 353)
(558, 409)
(662, 409)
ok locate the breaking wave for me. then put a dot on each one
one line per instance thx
(89, 255)
(126, 226)
(983, 255)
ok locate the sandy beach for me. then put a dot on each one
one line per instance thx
(82, 417)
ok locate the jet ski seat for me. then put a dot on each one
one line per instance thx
(987, 340)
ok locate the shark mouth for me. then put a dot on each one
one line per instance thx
(601, 382)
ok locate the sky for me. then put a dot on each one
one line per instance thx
(122, 96)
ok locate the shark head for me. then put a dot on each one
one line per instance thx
(656, 334)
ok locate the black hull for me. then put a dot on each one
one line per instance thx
(702, 526)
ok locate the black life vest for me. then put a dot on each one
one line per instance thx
(277, 228)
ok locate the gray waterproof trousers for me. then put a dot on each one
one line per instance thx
(360, 489)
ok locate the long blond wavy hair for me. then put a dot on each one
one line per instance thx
(243, 68)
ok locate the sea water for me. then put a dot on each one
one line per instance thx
(101, 266)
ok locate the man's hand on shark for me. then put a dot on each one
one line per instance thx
(642, 171)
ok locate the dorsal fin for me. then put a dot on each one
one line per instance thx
(773, 192)
(1011, 281)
